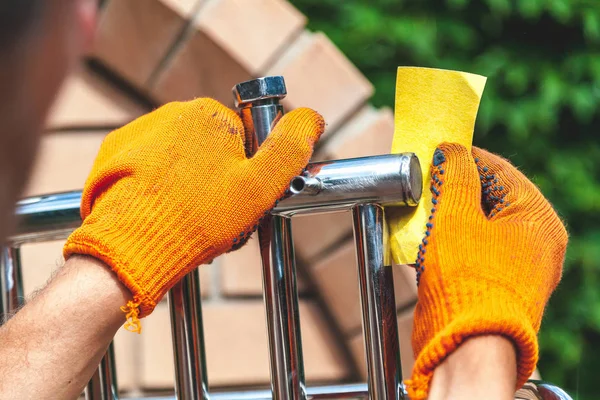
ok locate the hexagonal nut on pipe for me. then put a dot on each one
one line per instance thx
(263, 90)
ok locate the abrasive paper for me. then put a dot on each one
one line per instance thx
(432, 106)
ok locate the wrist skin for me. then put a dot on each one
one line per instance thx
(53, 345)
(483, 367)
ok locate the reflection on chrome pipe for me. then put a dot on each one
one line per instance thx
(283, 314)
(47, 217)
(11, 289)
(188, 338)
(258, 103)
(378, 303)
(342, 392)
(533, 390)
(538, 390)
(389, 180)
(103, 385)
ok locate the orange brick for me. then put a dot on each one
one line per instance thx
(336, 277)
(127, 352)
(232, 41)
(237, 346)
(241, 271)
(319, 76)
(88, 101)
(134, 36)
(314, 234)
(199, 68)
(39, 262)
(405, 285)
(405, 323)
(64, 161)
(369, 132)
(252, 32)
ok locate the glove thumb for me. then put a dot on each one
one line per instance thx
(288, 148)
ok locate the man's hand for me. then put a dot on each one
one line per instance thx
(174, 189)
(51, 348)
(492, 256)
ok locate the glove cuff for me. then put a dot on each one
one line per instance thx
(496, 313)
(83, 242)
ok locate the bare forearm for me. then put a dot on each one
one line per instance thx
(484, 367)
(52, 346)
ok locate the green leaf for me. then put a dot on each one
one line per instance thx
(530, 8)
(502, 7)
(591, 25)
(561, 10)
(517, 78)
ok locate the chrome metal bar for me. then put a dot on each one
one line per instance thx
(389, 180)
(342, 392)
(103, 384)
(11, 282)
(49, 217)
(191, 382)
(258, 101)
(532, 390)
(283, 314)
(378, 303)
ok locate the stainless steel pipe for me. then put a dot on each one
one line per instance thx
(389, 180)
(283, 314)
(378, 302)
(103, 384)
(48, 217)
(11, 296)
(532, 390)
(191, 380)
(258, 101)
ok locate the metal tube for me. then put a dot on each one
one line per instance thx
(11, 290)
(48, 217)
(191, 382)
(258, 101)
(283, 315)
(532, 390)
(347, 392)
(103, 384)
(389, 180)
(393, 179)
(378, 303)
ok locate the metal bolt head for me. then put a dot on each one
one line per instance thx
(260, 89)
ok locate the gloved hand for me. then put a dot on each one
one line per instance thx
(491, 257)
(174, 189)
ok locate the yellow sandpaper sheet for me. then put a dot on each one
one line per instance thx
(432, 106)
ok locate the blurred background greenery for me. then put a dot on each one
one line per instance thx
(541, 109)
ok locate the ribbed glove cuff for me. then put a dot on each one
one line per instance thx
(496, 313)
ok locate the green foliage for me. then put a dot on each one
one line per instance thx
(540, 109)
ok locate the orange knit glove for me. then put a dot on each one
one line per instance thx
(174, 189)
(491, 257)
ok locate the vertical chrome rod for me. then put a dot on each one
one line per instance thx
(283, 314)
(378, 303)
(11, 291)
(258, 101)
(103, 384)
(191, 382)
